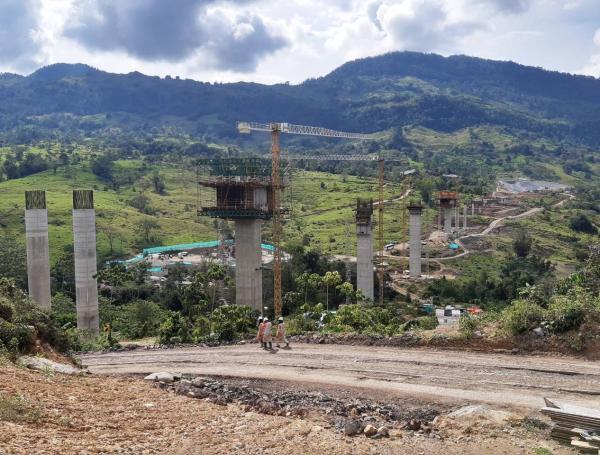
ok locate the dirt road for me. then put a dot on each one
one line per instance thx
(441, 376)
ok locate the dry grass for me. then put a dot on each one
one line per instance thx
(18, 409)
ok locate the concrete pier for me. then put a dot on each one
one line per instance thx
(364, 248)
(38, 254)
(448, 212)
(84, 243)
(364, 260)
(248, 255)
(465, 210)
(457, 218)
(414, 262)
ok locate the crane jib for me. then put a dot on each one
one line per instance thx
(290, 128)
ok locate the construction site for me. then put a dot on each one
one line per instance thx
(250, 193)
(329, 387)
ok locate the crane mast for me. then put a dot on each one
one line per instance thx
(276, 129)
(277, 222)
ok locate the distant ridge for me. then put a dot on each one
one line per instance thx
(372, 94)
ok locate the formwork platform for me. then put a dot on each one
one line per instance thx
(235, 188)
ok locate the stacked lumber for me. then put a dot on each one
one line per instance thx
(575, 425)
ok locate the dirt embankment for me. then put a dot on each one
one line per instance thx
(98, 414)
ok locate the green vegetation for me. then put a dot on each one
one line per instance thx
(23, 323)
(571, 303)
(18, 409)
(433, 115)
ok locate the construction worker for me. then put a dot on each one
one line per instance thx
(280, 335)
(267, 335)
(261, 329)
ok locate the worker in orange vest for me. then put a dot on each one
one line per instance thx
(261, 331)
(280, 335)
(267, 335)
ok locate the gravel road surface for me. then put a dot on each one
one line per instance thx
(444, 376)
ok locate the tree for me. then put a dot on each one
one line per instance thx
(103, 168)
(331, 279)
(13, 263)
(308, 282)
(63, 273)
(158, 182)
(347, 290)
(522, 244)
(111, 235)
(145, 228)
(140, 202)
(582, 223)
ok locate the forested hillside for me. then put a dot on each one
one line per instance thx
(375, 94)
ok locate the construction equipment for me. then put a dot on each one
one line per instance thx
(276, 129)
(380, 269)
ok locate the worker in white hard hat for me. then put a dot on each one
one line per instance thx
(259, 335)
(280, 335)
(267, 335)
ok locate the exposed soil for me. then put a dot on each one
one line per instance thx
(105, 414)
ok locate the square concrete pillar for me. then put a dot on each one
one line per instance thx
(38, 253)
(448, 211)
(364, 260)
(414, 262)
(248, 262)
(84, 243)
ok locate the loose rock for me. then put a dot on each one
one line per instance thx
(163, 376)
(370, 431)
(352, 427)
(46, 365)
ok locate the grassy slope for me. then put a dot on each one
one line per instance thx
(324, 216)
(175, 211)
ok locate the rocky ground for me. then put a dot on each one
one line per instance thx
(44, 412)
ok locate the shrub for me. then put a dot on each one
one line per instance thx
(521, 316)
(582, 223)
(362, 319)
(564, 314)
(428, 322)
(28, 322)
(201, 329)
(63, 310)
(300, 324)
(142, 319)
(232, 321)
(6, 309)
(174, 329)
(18, 409)
(467, 325)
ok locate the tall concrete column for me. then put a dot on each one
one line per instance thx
(472, 208)
(248, 274)
(465, 209)
(84, 243)
(448, 211)
(414, 262)
(457, 217)
(364, 259)
(38, 255)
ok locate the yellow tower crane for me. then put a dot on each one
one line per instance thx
(276, 129)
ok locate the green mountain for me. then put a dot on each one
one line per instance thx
(388, 92)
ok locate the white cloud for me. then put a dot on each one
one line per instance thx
(274, 41)
(19, 46)
(593, 66)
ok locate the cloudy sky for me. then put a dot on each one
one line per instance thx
(291, 40)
